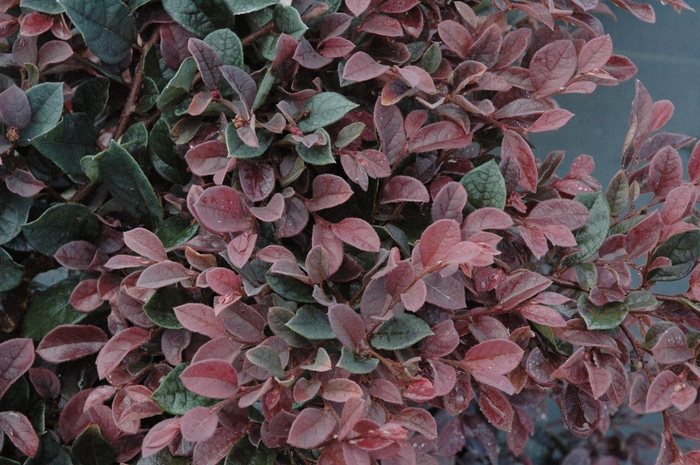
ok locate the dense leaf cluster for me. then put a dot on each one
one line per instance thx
(285, 232)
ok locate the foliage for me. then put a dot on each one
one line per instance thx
(315, 232)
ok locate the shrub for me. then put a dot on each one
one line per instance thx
(316, 233)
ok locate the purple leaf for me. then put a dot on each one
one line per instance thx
(85, 296)
(560, 212)
(208, 158)
(595, 54)
(551, 120)
(311, 428)
(244, 323)
(520, 286)
(552, 67)
(358, 233)
(307, 57)
(198, 424)
(71, 342)
(659, 394)
(516, 150)
(118, 347)
(404, 189)
(341, 390)
(455, 37)
(665, 172)
(271, 212)
(16, 357)
(329, 191)
(20, 431)
(200, 318)
(440, 135)
(23, 183)
(390, 126)
(146, 244)
(35, 24)
(219, 210)
(336, 47)
(159, 436)
(163, 274)
(76, 255)
(242, 84)
(211, 378)
(672, 348)
(347, 325)
(436, 241)
(362, 67)
(45, 382)
(257, 180)
(14, 108)
(208, 62)
(449, 202)
(53, 51)
(496, 356)
(642, 238)
(382, 26)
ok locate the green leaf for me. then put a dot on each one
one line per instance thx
(163, 457)
(68, 142)
(264, 89)
(432, 58)
(164, 156)
(288, 20)
(159, 307)
(684, 250)
(107, 26)
(266, 357)
(349, 133)
(324, 109)
(240, 7)
(174, 398)
(14, 211)
(653, 334)
(46, 102)
(625, 225)
(618, 194)
(640, 300)
(318, 154)
(290, 288)
(311, 323)
(200, 16)
(136, 4)
(51, 309)
(175, 231)
(485, 186)
(400, 331)
(355, 364)
(134, 137)
(44, 6)
(179, 86)
(591, 235)
(238, 149)
(277, 319)
(90, 448)
(50, 453)
(148, 96)
(59, 225)
(11, 273)
(608, 316)
(228, 45)
(586, 275)
(129, 186)
(91, 97)
(245, 453)
(156, 69)
(322, 362)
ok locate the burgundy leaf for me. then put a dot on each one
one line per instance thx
(347, 325)
(16, 357)
(357, 7)
(311, 428)
(71, 342)
(45, 382)
(437, 240)
(329, 191)
(581, 412)
(543, 315)
(685, 423)
(693, 162)
(244, 323)
(334, 25)
(672, 348)
(208, 158)
(14, 107)
(385, 390)
(595, 54)
(220, 348)
(599, 379)
(642, 238)
(417, 78)
(198, 424)
(665, 172)
(76, 255)
(390, 126)
(305, 390)
(551, 120)
(449, 202)
(336, 47)
(23, 183)
(678, 204)
(684, 397)
(659, 394)
(414, 297)
(219, 210)
(159, 436)
(444, 340)
(455, 37)
(20, 431)
(211, 378)
(307, 57)
(417, 419)
(200, 318)
(362, 67)
(440, 135)
(163, 274)
(271, 212)
(496, 408)
(35, 24)
(214, 449)
(493, 357)
(382, 26)
(241, 82)
(487, 218)
(146, 244)
(519, 287)
(118, 347)
(447, 292)
(294, 218)
(223, 281)
(341, 390)
(85, 296)
(516, 150)
(208, 62)
(257, 180)
(358, 233)
(53, 51)
(560, 212)
(241, 247)
(318, 264)
(404, 189)
(552, 67)
(638, 395)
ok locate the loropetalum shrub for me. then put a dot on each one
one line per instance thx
(263, 232)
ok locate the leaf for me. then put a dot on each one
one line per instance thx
(324, 109)
(17, 358)
(20, 431)
(341, 390)
(290, 288)
(329, 191)
(493, 357)
(198, 424)
(438, 136)
(208, 62)
(595, 54)
(200, 318)
(157, 438)
(239, 150)
(266, 357)
(71, 342)
(311, 428)
(207, 158)
(346, 325)
(14, 108)
(356, 364)
(404, 189)
(114, 351)
(179, 86)
(608, 316)
(515, 149)
(11, 273)
(560, 212)
(357, 7)
(163, 274)
(580, 411)
(68, 142)
(203, 17)
(659, 394)
(357, 233)
(174, 398)
(485, 186)
(591, 235)
(244, 323)
(552, 66)
(14, 211)
(685, 423)
(218, 209)
(496, 408)
(665, 172)
(159, 307)
(436, 241)
(449, 203)
(129, 186)
(317, 154)
(46, 103)
(213, 378)
(683, 250)
(519, 287)
(90, 448)
(51, 309)
(618, 194)
(642, 238)
(362, 67)
(227, 44)
(672, 347)
(90, 97)
(455, 37)
(52, 52)
(399, 332)
(107, 26)
(146, 244)
(311, 323)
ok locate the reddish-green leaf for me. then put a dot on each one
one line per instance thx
(516, 150)
(341, 390)
(208, 158)
(543, 315)
(211, 378)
